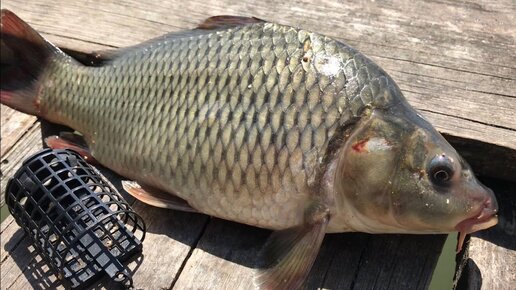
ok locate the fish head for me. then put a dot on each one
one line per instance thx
(397, 174)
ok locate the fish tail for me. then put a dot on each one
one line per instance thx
(24, 55)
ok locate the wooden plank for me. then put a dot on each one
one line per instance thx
(13, 125)
(175, 233)
(454, 67)
(226, 258)
(170, 237)
(489, 260)
(412, 47)
(20, 264)
(362, 261)
(226, 254)
(494, 161)
(15, 236)
(13, 159)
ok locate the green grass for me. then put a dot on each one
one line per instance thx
(443, 274)
(4, 212)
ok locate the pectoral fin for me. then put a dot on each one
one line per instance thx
(156, 197)
(68, 140)
(289, 254)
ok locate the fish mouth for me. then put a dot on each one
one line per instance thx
(485, 217)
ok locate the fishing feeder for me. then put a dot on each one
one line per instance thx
(77, 222)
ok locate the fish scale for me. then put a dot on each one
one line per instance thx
(240, 116)
(257, 123)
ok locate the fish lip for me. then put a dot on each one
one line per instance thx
(485, 217)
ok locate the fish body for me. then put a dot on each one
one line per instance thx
(235, 121)
(259, 123)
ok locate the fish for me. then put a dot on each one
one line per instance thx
(255, 122)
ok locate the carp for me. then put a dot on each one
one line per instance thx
(255, 122)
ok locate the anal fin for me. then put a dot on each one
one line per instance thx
(156, 197)
(289, 254)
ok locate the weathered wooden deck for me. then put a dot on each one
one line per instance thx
(454, 61)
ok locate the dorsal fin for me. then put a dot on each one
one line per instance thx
(99, 58)
(221, 21)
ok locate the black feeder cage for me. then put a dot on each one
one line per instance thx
(78, 223)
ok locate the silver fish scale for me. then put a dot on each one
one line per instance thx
(235, 121)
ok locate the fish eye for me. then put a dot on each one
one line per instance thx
(440, 170)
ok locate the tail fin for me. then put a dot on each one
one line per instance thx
(24, 54)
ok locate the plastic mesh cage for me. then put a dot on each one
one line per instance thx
(78, 223)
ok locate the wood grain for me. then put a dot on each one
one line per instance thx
(170, 237)
(13, 159)
(225, 256)
(13, 125)
(451, 59)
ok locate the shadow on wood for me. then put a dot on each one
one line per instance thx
(504, 233)
(488, 259)
(452, 66)
(345, 261)
(486, 159)
(39, 275)
(363, 261)
(34, 267)
(215, 250)
(192, 250)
